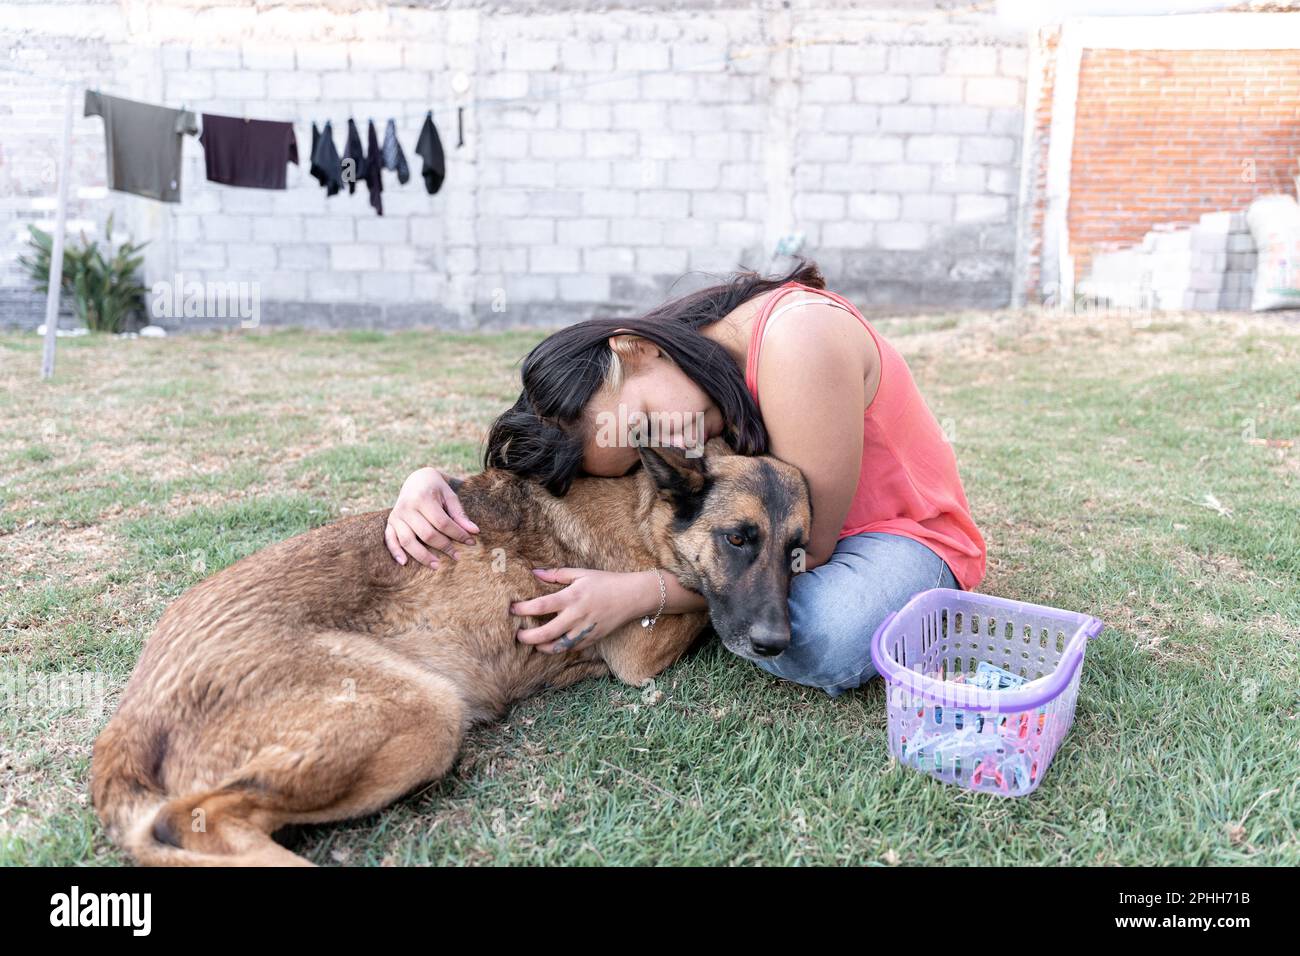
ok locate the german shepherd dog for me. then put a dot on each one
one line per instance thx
(319, 680)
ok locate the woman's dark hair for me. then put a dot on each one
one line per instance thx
(541, 436)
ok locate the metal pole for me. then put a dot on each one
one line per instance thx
(56, 253)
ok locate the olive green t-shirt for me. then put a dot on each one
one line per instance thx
(143, 143)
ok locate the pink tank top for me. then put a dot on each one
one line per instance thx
(908, 484)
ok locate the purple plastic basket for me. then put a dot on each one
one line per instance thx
(988, 740)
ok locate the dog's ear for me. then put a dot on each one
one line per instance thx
(678, 476)
(718, 447)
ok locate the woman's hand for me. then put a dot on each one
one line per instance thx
(427, 520)
(593, 606)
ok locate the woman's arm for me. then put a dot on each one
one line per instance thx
(681, 600)
(427, 520)
(812, 376)
(596, 603)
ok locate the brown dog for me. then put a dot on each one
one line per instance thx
(319, 680)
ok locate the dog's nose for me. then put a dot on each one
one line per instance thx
(768, 642)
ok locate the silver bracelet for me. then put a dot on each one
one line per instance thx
(649, 621)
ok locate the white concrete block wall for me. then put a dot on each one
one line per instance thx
(931, 151)
(607, 151)
(1208, 266)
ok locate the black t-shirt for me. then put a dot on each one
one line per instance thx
(429, 148)
(248, 152)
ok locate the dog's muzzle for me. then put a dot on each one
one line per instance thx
(768, 641)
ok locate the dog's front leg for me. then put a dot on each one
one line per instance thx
(635, 653)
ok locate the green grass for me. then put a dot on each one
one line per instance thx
(1114, 468)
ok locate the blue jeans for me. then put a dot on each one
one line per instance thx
(835, 608)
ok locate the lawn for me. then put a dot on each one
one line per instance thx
(1136, 469)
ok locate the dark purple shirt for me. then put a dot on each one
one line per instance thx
(248, 152)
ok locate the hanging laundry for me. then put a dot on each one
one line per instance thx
(316, 172)
(394, 158)
(248, 152)
(143, 145)
(325, 160)
(429, 148)
(374, 169)
(354, 159)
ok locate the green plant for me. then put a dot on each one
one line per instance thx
(104, 286)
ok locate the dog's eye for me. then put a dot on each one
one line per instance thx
(736, 540)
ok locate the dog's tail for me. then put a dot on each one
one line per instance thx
(158, 829)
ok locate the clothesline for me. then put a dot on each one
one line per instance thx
(379, 118)
(445, 107)
(142, 146)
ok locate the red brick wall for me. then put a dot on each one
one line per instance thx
(1166, 135)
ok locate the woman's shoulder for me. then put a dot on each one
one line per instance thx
(806, 322)
(819, 347)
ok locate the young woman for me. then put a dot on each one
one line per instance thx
(775, 365)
